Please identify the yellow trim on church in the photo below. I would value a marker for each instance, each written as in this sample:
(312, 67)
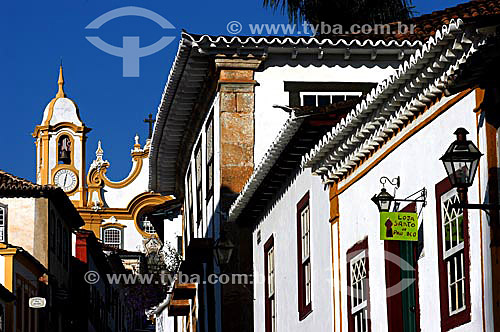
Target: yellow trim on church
(47, 134)
(141, 203)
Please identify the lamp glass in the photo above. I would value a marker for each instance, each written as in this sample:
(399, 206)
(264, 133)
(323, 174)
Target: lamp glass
(223, 250)
(383, 200)
(461, 160)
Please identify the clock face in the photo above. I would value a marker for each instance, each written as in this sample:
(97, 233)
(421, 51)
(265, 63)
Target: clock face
(66, 179)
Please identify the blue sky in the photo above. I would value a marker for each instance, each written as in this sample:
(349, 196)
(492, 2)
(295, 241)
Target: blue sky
(36, 34)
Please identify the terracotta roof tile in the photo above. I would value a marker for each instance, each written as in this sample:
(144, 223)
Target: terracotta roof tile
(426, 25)
(13, 186)
(22, 187)
(474, 8)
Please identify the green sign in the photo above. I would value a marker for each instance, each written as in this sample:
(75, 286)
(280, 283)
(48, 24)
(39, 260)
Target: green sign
(399, 226)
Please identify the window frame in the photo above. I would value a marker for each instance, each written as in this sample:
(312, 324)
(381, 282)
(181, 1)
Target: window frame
(25, 316)
(198, 166)
(110, 228)
(451, 320)
(5, 221)
(189, 194)
(270, 301)
(294, 88)
(316, 94)
(304, 308)
(72, 146)
(210, 156)
(360, 248)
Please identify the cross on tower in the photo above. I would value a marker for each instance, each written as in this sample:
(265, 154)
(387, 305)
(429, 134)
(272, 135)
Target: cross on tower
(150, 121)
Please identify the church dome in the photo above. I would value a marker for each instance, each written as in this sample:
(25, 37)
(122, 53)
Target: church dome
(61, 109)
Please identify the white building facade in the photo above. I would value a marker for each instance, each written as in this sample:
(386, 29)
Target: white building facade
(215, 123)
(317, 248)
(449, 269)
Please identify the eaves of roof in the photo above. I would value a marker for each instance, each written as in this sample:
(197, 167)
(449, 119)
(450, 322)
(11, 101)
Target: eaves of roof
(271, 156)
(301, 130)
(399, 98)
(173, 131)
(14, 187)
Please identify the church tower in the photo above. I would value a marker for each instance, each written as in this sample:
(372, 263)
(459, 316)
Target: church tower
(60, 146)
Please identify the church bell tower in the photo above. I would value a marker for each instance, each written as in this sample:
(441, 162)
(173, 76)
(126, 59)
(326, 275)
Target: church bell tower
(60, 146)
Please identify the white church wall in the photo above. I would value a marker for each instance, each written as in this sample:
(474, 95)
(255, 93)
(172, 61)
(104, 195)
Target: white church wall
(270, 91)
(171, 230)
(132, 240)
(121, 197)
(64, 110)
(417, 162)
(281, 223)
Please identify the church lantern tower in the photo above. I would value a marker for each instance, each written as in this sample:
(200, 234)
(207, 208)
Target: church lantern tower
(60, 146)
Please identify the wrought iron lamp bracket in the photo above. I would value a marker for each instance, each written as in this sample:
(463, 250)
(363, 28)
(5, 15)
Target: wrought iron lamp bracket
(417, 197)
(395, 182)
(485, 207)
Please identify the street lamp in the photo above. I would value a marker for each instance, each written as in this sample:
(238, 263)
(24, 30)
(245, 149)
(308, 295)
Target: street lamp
(383, 200)
(223, 249)
(461, 161)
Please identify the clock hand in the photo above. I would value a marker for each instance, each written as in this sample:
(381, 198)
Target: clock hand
(65, 177)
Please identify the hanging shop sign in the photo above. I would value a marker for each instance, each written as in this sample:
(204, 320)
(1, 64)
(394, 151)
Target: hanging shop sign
(399, 226)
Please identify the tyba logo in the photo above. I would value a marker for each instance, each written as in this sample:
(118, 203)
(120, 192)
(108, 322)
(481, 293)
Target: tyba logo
(130, 51)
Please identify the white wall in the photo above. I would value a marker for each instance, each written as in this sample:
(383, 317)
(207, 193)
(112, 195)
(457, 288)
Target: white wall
(417, 163)
(270, 91)
(121, 197)
(20, 222)
(282, 224)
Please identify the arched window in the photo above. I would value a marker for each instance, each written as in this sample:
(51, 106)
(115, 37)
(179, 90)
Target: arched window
(64, 150)
(112, 236)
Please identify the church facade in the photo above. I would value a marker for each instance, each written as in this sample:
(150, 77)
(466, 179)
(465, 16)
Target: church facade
(117, 212)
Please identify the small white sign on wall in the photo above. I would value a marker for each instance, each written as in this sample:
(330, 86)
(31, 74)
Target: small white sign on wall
(37, 302)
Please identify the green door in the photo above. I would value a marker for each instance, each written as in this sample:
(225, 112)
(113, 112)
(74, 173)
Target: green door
(409, 293)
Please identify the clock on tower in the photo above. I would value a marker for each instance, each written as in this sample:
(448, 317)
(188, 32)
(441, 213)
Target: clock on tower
(60, 146)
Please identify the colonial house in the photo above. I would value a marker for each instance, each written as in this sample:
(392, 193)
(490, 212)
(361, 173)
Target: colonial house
(216, 120)
(291, 270)
(37, 222)
(24, 271)
(324, 254)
